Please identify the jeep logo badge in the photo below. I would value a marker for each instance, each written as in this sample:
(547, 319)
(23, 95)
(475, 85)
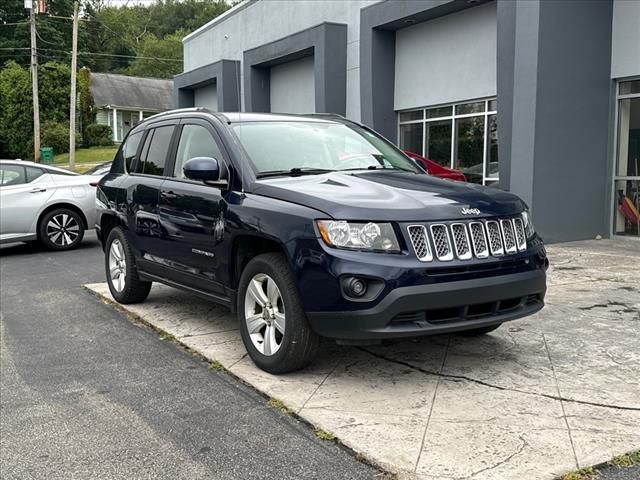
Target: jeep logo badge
(470, 211)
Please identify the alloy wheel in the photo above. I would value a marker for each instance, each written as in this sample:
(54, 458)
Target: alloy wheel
(264, 314)
(63, 229)
(117, 265)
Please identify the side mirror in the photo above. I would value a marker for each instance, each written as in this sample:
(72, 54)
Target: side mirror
(205, 169)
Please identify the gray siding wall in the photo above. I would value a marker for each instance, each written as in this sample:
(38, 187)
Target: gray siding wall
(206, 96)
(447, 59)
(262, 22)
(625, 48)
(293, 87)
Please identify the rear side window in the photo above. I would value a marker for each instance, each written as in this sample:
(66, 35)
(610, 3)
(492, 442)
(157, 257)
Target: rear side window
(130, 149)
(155, 151)
(33, 173)
(12, 175)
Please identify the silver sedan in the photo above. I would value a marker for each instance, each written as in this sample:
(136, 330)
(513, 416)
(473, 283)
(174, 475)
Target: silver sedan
(45, 203)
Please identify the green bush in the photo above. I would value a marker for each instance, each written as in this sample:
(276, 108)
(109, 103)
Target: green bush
(56, 135)
(96, 135)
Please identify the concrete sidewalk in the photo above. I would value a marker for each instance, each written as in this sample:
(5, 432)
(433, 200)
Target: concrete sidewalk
(538, 397)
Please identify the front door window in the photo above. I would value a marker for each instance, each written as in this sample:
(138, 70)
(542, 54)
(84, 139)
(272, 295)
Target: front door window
(627, 172)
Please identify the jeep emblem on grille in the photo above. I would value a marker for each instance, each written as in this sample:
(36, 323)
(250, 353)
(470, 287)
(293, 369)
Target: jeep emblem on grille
(470, 211)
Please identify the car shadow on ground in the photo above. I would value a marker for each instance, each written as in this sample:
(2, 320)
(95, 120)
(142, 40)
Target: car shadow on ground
(34, 247)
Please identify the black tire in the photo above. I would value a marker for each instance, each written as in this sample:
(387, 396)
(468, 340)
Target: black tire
(133, 290)
(60, 229)
(299, 343)
(476, 332)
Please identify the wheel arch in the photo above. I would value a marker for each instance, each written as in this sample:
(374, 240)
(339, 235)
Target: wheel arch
(68, 206)
(247, 246)
(108, 221)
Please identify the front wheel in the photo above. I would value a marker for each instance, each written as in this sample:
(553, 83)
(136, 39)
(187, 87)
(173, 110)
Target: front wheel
(121, 270)
(273, 323)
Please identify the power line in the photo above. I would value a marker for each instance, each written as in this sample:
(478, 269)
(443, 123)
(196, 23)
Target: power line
(45, 41)
(97, 54)
(12, 24)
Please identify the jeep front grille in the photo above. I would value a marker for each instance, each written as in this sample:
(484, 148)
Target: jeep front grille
(480, 248)
(461, 241)
(420, 243)
(467, 240)
(521, 238)
(441, 242)
(508, 236)
(495, 238)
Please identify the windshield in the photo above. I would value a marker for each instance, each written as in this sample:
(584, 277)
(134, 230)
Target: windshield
(316, 147)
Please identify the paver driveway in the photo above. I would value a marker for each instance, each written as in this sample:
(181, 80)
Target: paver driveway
(538, 397)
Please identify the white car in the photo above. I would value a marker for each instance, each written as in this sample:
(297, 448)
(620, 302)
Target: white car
(45, 203)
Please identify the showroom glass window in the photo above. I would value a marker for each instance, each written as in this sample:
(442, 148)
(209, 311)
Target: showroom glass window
(463, 136)
(626, 188)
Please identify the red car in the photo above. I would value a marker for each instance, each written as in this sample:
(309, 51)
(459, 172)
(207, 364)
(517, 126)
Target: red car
(436, 169)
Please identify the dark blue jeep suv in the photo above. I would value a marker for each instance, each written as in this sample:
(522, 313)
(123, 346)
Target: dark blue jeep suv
(308, 227)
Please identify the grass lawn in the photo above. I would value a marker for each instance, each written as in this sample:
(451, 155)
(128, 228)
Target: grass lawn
(89, 155)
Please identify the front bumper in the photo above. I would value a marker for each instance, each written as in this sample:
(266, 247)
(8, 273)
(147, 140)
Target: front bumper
(438, 308)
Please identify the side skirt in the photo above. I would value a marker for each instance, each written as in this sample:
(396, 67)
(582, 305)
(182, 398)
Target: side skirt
(228, 302)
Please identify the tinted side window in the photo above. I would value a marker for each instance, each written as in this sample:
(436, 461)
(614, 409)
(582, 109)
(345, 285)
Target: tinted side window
(11, 175)
(157, 149)
(33, 173)
(195, 141)
(130, 148)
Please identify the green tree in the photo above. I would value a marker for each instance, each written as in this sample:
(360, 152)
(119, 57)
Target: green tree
(110, 35)
(16, 105)
(151, 50)
(15, 112)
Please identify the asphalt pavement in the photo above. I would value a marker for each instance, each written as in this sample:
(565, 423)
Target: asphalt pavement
(85, 393)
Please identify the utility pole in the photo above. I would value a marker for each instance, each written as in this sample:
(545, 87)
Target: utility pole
(34, 83)
(72, 99)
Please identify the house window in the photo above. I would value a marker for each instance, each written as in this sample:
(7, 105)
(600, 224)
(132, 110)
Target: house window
(463, 136)
(626, 181)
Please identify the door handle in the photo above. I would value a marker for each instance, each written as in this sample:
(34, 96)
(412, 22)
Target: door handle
(37, 190)
(168, 194)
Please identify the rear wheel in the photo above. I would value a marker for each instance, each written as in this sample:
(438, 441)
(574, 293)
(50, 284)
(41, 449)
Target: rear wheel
(476, 332)
(60, 229)
(121, 270)
(273, 323)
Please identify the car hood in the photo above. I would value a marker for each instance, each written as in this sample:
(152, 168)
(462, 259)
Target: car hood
(396, 196)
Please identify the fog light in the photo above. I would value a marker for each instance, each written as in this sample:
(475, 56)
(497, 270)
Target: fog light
(356, 287)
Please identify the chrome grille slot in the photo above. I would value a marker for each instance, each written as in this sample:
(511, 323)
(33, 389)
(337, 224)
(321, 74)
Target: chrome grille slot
(495, 238)
(420, 242)
(461, 241)
(479, 240)
(508, 236)
(521, 238)
(441, 242)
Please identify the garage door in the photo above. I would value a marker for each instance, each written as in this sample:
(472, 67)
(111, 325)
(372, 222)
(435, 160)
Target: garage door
(448, 59)
(206, 97)
(293, 87)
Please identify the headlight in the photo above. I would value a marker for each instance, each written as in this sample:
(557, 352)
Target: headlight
(359, 236)
(528, 224)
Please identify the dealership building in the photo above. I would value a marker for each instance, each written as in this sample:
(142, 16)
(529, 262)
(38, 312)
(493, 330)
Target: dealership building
(539, 97)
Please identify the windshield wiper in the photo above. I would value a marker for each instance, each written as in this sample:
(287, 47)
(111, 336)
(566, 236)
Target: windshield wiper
(293, 172)
(375, 167)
